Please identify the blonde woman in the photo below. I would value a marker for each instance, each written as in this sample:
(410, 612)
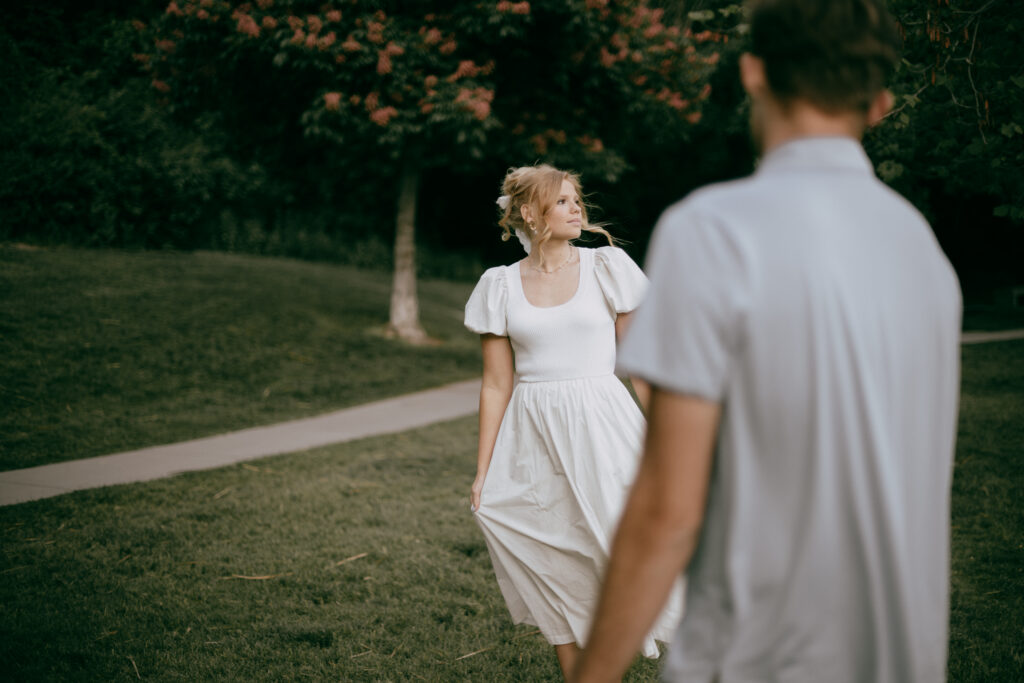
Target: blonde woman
(557, 450)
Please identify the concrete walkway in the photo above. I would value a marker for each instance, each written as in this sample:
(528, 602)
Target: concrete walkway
(371, 419)
(381, 417)
(981, 337)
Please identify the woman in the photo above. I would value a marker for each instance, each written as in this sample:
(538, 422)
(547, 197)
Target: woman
(558, 450)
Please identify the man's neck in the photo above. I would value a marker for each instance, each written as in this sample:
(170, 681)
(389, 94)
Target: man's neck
(802, 120)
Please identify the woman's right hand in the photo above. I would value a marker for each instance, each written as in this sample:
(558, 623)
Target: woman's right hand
(474, 494)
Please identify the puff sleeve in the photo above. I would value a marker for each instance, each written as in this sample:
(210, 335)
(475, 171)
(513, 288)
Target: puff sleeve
(620, 279)
(487, 305)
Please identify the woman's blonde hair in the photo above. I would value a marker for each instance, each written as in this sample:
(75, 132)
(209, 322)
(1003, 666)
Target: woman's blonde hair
(539, 188)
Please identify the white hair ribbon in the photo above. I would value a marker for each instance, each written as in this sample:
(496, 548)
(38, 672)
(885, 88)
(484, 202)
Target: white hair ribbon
(524, 239)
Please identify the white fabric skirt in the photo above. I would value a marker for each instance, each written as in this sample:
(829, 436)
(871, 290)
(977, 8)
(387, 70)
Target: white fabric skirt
(565, 457)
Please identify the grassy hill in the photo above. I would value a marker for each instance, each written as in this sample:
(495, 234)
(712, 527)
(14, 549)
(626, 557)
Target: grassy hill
(104, 350)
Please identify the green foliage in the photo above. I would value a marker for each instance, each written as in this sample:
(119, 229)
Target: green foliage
(441, 84)
(91, 160)
(956, 129)
(103, 351)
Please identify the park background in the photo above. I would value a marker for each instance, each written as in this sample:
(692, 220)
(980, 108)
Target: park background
(206, 209)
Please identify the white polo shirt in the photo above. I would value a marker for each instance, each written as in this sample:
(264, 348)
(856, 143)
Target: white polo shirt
(816, 306)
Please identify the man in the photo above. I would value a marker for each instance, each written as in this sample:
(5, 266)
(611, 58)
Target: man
(801, 336)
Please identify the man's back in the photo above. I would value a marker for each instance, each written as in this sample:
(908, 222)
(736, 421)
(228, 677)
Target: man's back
(825, 550)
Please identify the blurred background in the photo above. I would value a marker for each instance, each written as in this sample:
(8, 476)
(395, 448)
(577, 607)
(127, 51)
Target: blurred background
(281, 128)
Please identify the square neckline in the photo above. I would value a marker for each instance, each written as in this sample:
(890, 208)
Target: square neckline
(580, 281)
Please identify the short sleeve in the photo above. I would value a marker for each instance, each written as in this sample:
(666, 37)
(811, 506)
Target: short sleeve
(621, 280)
(686, 333)
(487, 305)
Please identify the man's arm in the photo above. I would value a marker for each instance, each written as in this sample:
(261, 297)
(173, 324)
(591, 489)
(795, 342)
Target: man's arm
(657, 534)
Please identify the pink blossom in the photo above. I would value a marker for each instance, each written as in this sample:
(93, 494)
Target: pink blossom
(639, 79)
(206, 3)
(351, 45)
(248, 26)
(504, 6)
(173, 9)
(379, 15)
(394, 49)
(355, 100)
(448, 47)
(426, 107)
(295, 22)
(430, 81)
(382, 116)
(269, 23)
(332, 101)
(161, 86)
(141, 57)
(713, 59)
(165, 45)
(706, 90)
(383, 63)
(202, 14)
(432, 36)
(466, 69)
(299, 37)
(618, 42)
(597, 4)
(540, 143)
(372, 101)
(693, 117)
(334, 15)
(339, 58)
(607, 58)
(375, 32)
(138, 25)
(314, 23)
(265, 4)
(521, 8)
(326, 41)
(311, 40)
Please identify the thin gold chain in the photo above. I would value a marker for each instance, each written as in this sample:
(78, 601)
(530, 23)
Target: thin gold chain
(572, 252)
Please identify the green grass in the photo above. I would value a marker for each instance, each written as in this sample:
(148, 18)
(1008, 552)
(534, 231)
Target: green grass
(103, 351)
(99, 582)
(987, 615)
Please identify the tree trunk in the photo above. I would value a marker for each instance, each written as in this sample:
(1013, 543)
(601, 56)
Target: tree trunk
(405, 309)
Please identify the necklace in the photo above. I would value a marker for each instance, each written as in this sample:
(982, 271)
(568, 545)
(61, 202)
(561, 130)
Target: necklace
(572, 252)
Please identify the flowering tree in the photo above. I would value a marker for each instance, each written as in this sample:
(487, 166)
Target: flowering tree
(422, 84)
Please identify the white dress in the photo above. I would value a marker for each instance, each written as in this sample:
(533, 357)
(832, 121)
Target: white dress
(567, 449)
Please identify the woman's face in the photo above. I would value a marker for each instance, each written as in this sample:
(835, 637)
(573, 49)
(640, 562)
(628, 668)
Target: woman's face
(565, 218)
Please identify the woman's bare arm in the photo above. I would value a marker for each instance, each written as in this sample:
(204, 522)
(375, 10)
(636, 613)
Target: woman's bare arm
(495, 392)
(641, 388)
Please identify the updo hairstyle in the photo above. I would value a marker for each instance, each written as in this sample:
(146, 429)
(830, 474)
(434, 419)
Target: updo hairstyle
(539, 188)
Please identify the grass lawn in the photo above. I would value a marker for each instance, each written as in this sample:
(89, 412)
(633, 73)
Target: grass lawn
(362, 559)
(987, 619)
(104, 351)
(355, 562)
(360, 562)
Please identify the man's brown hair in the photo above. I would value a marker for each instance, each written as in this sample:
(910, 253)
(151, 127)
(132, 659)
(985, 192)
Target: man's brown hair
(835, 54)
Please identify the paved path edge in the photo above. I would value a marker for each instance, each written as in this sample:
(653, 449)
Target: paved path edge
(387, 416)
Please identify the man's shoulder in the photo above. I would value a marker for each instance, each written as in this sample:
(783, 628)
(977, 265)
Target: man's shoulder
(708, 205)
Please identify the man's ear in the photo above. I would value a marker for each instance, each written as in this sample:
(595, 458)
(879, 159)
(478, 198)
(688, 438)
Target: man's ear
(880, 107)
(752, 75)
